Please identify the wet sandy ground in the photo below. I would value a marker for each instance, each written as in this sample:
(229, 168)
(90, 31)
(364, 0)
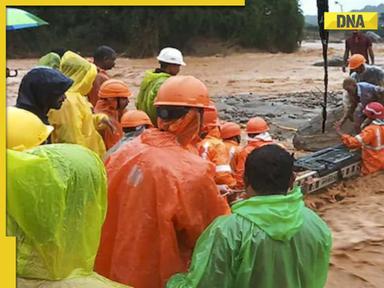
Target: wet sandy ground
(354, 209)
(257, 73)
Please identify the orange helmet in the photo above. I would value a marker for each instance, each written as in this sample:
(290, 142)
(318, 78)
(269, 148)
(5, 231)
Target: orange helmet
(211, 118)
(134, 118)
(356, 61)
(257, 125)
(229, 130)
(374, 110)
(185, 91)
(114, 89)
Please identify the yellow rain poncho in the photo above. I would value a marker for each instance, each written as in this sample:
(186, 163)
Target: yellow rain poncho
(56, 206)
(74, 122)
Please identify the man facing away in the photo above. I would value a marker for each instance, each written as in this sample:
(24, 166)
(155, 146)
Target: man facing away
(271, 239)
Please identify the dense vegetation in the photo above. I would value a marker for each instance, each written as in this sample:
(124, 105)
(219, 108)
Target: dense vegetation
(141, 31)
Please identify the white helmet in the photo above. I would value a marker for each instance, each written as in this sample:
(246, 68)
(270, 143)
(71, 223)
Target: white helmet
(171, 55)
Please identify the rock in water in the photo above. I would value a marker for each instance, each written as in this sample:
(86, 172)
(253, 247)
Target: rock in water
(375, 38)
(310, 138)
(333, 62)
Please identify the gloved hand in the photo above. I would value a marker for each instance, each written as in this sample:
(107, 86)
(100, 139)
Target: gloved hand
(224, 190)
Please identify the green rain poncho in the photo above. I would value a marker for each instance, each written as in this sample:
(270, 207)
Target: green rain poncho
(50, 60)
(268, 242)
(56, 205)
(148, 92)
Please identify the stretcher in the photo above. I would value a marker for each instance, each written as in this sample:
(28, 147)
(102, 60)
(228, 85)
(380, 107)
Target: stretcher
(325, 167)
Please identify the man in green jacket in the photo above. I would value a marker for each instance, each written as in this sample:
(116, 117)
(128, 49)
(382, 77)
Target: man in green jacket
(170, 60)
(270, 241)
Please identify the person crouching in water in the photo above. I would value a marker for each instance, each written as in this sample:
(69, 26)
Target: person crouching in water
(133, 122)
(113, 98)
(358, 95)
(370, 140)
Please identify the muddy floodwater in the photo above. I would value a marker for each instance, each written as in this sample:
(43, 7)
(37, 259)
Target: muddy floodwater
(285, 89)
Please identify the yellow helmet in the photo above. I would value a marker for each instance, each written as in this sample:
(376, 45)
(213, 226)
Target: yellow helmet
(25, 130)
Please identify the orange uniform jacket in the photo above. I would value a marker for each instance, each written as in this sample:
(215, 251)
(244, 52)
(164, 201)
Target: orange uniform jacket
(161, 198)
(371, 142)
(241, 156)
(101, 77)
(212, 148)
(232, 148)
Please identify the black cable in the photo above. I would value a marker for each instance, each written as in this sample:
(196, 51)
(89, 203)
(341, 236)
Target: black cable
(322, 7)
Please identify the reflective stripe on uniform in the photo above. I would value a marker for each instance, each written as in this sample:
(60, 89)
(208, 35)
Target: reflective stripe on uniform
(204, 155)
(378, 141)
(223, 168)
(232, 153)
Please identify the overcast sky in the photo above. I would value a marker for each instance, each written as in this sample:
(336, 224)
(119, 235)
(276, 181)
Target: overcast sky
(309, 6)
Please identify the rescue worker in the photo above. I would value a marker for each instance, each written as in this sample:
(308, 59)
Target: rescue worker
(42, 89)
(161, 196)
(170, 60)
(258, 136)
(104, 58)
(74, 122)
(213, 149)
(113, 99)
(270, 240)
(370, 140)
(357, 97)
(25, 130)
(133, 122)
(231, 135)
(362, 72)
(56, 204)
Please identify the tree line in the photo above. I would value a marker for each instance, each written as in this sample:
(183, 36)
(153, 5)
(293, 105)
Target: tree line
(141, 31)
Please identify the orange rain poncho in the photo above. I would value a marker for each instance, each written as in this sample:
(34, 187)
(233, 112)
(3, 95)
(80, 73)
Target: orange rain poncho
(161, 198)
(74, 122)
(110, 95)
(240, 157)
(371, 142)
(212, 148)
(108, 107)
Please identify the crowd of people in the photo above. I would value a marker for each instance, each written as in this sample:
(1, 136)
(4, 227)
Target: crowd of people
(165, 195)
(363, 105)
